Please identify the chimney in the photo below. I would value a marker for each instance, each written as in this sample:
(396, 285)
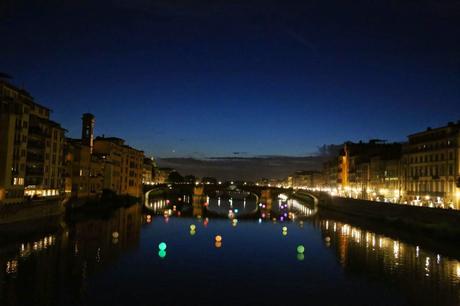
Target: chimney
(87, 131)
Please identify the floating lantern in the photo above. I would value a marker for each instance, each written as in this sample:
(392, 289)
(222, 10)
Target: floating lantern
(327, 239)
(284, 233)
(236, 210)
(162, 253)
(192, 227)
(300, 249)
(115, 235)
(284, 228)
(192, 232)
(260, 220)
(218, 238)
(162, 246)
(218, 244)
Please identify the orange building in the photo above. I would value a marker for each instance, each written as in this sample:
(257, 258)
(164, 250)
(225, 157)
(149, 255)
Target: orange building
(122, 165)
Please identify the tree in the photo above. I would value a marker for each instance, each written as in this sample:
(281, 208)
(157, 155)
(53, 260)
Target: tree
(175, 177)
(190, 179)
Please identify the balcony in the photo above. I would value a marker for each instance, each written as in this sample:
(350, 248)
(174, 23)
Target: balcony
(35, 130)
(37, 145)
(34, 171)
(36, 158)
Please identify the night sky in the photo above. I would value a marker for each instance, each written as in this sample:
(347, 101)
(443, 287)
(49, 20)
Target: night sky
(212, 78)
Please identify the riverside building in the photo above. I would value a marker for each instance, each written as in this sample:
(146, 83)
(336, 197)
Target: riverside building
(31, 147)
(432, 168)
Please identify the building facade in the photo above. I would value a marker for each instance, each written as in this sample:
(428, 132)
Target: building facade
(366, 171)
(122, 166)
(148, 171)
(431, 167)
(93, 165)
(31, 148)
(304, 179)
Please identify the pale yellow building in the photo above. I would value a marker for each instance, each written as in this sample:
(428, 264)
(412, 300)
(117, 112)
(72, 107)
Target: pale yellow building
(31, 147)
(432, 167)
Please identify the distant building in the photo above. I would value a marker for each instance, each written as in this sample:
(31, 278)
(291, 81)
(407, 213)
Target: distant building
(148, 171)
(94, 164)
(123, 165)
(162, 174)
(331, 173)
(369, 170)
(432, 167)
(31, 147)
(302, 179)
(84, 175)
(383, 180)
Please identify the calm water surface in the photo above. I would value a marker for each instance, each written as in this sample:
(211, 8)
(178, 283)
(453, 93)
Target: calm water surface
(115, 260)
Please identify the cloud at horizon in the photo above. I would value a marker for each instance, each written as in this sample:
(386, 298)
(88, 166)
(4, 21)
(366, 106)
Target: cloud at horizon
(243, 168)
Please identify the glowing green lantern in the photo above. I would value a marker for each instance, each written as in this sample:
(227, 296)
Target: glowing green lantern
(300, 249)
(162, 253)
(162, 246)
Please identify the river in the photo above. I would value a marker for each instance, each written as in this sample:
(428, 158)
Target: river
(114, 259)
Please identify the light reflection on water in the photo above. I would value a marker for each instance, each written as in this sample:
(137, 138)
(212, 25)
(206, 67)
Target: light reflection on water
(342, 263)
(240, 206)
(408, 265)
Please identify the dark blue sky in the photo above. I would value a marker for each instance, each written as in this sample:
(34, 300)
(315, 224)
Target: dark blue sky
(209, 78)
